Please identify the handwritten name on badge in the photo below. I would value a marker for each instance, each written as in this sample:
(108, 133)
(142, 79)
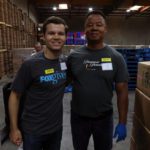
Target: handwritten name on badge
(63, 66)
(106, 66)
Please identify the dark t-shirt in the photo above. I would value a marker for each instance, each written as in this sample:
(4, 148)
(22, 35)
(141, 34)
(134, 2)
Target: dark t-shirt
(43, 81)
(94, 72)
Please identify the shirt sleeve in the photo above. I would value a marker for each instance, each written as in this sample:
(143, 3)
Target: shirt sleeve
(122, 71)
(69, 72)
(23, 78)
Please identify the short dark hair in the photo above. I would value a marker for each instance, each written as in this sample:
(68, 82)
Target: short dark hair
(94, 12)
(55, 20)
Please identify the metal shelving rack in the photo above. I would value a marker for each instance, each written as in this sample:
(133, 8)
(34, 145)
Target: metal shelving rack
(132, 56)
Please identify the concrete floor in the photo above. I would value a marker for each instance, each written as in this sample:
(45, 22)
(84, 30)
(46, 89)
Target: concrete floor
(66, 139)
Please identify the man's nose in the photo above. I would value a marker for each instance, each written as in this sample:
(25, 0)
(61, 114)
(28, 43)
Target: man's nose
(94, 26)
(56, 36)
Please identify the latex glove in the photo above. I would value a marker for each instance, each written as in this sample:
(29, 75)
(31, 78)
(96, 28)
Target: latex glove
(68, 88)
(120, 132)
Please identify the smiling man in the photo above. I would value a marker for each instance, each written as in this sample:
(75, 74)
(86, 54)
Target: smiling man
(42, 78)
(94, 69)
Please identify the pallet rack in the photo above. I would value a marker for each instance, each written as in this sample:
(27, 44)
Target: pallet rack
(132, 56)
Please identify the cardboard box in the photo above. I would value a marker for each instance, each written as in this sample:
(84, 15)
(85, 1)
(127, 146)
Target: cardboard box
(143, 77)
(19, 55)
(141, 135)
(142, 108)
(132, 144)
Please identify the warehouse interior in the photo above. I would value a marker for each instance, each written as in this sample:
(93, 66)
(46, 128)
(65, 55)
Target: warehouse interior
(128, 32)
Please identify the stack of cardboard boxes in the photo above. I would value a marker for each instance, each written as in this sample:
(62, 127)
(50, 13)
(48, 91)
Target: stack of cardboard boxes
(140, 139)
(19, 56)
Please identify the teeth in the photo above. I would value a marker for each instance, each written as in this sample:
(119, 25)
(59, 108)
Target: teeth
(56, 43)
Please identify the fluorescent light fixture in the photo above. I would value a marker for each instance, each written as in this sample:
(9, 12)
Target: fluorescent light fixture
(134, 8)
(128, 10)
(144, 8)
(63, 6)
(54, 8)
(90, 9)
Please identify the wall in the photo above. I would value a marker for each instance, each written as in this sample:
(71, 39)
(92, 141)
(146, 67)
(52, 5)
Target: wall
(131, 31)
(28, 9)
(121, 31)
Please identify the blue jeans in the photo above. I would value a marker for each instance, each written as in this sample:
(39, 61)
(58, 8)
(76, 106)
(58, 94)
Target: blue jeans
(44, 142)
(101, 128)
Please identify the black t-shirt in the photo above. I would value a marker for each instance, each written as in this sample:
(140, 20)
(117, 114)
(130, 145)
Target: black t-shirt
(43, 81)
(94, 72)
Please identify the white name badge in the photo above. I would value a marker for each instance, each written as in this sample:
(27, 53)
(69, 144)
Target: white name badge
(106, 66)
(63, 66)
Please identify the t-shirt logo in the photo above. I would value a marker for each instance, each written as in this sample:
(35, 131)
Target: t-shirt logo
(52, 76)
(91, 64)
(104, 63)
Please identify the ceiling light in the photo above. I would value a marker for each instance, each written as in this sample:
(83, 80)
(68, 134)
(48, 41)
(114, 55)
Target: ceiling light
(90, 9)
(54, 8)
(128, 10)
(63, 6)
(133, 8)
(39, 29)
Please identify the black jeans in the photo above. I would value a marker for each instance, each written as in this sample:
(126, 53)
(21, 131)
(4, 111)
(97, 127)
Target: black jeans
(43, 142)
(101, 128)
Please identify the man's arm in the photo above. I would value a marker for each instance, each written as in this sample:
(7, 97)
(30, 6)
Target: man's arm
(15, 134)
(122, 101)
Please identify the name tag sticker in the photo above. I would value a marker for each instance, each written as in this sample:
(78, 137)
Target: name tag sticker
(106, 66)
(49, 71)
(105, 59)
(63, 66)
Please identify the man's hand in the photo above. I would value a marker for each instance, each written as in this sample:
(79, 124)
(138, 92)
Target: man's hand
(120, 132)
(15, 137)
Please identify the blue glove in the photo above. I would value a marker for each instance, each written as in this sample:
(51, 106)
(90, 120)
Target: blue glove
(68, 88)
(120, 132)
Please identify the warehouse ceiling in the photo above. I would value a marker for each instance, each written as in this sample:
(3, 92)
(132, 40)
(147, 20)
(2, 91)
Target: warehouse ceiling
(80, 8)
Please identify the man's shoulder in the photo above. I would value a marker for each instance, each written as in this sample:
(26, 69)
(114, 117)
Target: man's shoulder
(114, 51)
(34, 58)
(63, 58)
(77, 51)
